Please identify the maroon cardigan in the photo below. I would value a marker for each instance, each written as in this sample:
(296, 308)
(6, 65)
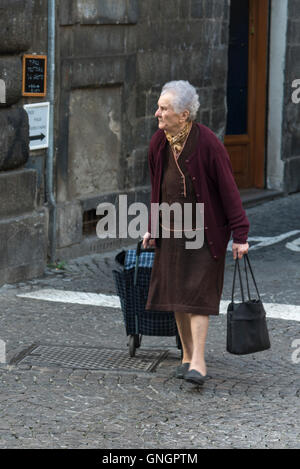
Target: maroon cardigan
(211, 172)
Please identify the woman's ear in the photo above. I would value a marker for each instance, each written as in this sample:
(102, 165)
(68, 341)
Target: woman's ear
(185, 115)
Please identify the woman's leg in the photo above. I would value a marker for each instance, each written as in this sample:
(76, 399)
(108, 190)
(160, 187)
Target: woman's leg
(183, 321)
(199, 328)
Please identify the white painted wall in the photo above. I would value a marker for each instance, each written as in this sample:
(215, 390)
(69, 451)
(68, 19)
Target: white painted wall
(275, 165)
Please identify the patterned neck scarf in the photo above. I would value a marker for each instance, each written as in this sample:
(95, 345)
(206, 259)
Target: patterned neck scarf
(177, 142)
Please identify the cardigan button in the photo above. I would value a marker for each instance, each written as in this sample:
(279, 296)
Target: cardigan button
(187, 161)
(211, 243)
(206, 227)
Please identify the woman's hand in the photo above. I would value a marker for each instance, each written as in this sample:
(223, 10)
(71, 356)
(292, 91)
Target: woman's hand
(147, 241)
(239, 250)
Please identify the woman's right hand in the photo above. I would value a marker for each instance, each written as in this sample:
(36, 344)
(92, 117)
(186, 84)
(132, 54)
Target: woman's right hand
(147, 241)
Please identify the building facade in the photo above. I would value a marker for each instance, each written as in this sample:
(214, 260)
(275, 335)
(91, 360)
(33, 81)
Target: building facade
(107, 62)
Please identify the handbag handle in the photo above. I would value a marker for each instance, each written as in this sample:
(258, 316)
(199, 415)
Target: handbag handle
(237, 265)
(253, 278)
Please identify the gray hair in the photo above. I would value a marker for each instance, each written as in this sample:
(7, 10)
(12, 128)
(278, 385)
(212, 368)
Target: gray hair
(185, 97)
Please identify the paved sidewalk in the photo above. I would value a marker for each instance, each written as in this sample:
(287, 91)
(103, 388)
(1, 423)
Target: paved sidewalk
(248, 402)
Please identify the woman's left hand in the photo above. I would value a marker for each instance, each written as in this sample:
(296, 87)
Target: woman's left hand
(239, 250)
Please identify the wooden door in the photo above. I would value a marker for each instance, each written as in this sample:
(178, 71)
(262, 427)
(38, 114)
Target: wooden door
(247, 91)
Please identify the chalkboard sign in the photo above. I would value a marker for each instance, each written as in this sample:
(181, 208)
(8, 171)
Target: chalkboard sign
(34, 75)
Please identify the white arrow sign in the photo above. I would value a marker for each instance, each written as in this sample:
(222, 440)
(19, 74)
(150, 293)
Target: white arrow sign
(38, 115)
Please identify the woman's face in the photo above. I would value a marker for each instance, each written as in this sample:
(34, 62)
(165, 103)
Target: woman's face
(168, 119)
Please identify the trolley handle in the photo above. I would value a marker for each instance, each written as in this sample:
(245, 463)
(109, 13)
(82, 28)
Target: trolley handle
(139, 249)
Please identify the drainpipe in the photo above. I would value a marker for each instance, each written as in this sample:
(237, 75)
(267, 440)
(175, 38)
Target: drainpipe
(50, 154)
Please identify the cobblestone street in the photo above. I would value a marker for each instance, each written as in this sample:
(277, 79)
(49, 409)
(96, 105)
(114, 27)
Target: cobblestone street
(248, 402)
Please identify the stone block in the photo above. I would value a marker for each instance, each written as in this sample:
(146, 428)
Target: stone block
(15, 30)
(295, 147)
(184, 9)
(219, 66)
(36, 162)
(149, 35)
(293, 31)
(218, 121)
(17, 192)
(23, 247)
(137, 168)
(202, 8)
(97, 71)
(92, 202)
(293, 9)
(69, 222)
(67, 12)
(205, 117)
(152, 100)
(107, 11)
(293, 63)
(14, 138)
(291, 174)
(197, 9)
(154, 67)
(141, 102)
(219, 98)
(106, 40)
(150, 10)
(94, 140)
(224, 34)
(205, 96)
(220, 8)
(11, 74)
(170, 11)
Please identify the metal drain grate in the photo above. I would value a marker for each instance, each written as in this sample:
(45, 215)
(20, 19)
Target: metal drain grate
(89, 358)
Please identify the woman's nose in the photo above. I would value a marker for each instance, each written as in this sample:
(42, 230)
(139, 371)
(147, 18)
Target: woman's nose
(157, 114)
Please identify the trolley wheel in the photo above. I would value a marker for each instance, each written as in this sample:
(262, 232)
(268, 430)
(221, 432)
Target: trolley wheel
(135, 341)
(132, 345)
(138, 340)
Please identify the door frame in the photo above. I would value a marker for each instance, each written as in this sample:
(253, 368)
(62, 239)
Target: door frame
(257, 93)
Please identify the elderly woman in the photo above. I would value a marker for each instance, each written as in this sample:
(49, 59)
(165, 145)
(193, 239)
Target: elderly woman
(189, 164)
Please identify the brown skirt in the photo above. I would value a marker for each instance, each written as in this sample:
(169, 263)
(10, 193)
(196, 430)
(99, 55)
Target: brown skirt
(185, 280)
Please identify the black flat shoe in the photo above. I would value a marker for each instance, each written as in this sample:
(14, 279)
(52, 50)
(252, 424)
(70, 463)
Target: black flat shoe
(181, 370)
(195, 377)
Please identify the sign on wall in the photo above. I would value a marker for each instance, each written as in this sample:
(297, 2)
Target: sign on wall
(34, 75)
(38, 115)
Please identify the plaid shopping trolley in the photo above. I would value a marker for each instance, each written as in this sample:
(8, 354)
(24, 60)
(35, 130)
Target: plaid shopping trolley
(132, 279)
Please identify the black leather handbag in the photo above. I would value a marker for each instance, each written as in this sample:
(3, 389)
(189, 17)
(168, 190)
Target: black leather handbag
(247, 330)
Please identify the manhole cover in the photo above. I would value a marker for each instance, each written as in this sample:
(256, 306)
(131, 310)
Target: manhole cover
(89, 358)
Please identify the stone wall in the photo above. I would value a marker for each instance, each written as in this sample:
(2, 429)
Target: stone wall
(291, 112)
(113, 58)
(23, 237)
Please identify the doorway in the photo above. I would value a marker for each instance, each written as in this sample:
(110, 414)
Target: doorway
(247, 91)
